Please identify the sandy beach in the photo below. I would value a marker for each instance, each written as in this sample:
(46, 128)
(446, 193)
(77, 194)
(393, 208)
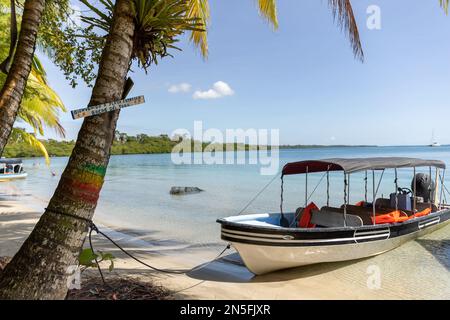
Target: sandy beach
(409, 272)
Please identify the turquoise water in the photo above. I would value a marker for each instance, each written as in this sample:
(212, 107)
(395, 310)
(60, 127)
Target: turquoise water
(136, 191)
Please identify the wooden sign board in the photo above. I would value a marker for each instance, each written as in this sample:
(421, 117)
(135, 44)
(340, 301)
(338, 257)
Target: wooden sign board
(107, 107)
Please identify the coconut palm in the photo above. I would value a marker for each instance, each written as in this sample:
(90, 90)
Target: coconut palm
(40, 106)
(140, 30)
(13, 89)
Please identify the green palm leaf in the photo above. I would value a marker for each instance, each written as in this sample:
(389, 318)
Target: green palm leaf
(33, 141)
(444, 4)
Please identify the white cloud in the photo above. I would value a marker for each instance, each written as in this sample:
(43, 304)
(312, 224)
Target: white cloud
(220, 89)
(182, 87)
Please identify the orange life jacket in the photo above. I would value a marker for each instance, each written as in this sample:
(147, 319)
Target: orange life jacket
(304, 221)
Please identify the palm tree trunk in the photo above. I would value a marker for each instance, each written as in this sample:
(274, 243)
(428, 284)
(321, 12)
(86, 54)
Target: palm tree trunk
(39, 269)
(12, 91)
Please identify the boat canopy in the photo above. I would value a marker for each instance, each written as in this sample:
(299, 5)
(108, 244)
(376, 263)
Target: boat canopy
(358, 164)
(10, 161)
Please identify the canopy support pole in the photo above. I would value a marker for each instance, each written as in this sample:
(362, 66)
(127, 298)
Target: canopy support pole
(442, 189)
(414, 191)
(306, 187)
(396, 190)
(436, 187)
(373, 196)
(345, 199)
(283, 221)
(348, 189)
(365, 188)
(328, 186)
(429, 192)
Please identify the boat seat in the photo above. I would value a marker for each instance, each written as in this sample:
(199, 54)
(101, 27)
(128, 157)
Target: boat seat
(332, 217)
(420, 206)
(366, 213)
(382, 203)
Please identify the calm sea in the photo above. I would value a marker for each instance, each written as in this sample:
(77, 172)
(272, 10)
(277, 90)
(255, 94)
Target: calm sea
(136, 196)
(136, 191)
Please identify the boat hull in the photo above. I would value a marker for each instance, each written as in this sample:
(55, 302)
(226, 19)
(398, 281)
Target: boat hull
(264, 250)
(13, 176)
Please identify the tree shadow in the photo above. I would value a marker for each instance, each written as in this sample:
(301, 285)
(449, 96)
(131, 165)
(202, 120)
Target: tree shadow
(231, 268)
(439, 249)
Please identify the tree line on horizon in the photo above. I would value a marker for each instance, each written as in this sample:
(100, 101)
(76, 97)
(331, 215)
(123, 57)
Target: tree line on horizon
(113, 37)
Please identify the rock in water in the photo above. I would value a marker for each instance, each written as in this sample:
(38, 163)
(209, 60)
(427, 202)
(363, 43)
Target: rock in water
(184, 190)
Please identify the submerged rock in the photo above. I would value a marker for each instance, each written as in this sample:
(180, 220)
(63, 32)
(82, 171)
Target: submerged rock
(184, 190)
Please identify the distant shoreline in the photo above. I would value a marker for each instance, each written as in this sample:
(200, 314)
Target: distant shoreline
(162, 144)
(124, 144)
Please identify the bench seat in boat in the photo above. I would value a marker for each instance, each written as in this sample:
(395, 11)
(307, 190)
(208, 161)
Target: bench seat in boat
(334, 218)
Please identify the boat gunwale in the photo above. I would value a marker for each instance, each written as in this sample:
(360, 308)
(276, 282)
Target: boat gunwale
(280, 230)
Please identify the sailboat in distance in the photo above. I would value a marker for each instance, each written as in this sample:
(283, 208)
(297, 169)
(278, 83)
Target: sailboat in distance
(434, 143)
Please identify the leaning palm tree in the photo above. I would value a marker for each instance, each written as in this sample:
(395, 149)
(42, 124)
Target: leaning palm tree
(13, 89)
(139, 30)
(40, 106)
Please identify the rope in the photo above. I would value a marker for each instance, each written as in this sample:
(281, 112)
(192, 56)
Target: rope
(258, 194)
(92, 249)
(93, 227)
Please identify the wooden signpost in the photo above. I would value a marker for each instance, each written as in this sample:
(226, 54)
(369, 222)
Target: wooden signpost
(107, 107)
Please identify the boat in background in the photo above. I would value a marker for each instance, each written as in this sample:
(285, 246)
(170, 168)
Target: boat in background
(272, 241)
(11, 169)
(434, 143)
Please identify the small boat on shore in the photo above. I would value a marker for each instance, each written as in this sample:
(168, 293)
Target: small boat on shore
(272, 241)
(11, 169)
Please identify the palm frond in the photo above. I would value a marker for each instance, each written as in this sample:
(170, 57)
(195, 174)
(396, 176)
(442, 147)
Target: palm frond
(32, 141)
(41, 105)
(268, 9)
(199, 10)
(343, 13)
(159, 23)
(444, 5)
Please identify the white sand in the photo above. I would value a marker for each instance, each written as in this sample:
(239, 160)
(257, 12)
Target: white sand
(417, 270)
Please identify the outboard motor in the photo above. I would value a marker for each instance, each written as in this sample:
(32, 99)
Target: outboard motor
(424, 186)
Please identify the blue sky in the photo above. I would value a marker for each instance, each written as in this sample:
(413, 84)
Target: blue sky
(301, 79)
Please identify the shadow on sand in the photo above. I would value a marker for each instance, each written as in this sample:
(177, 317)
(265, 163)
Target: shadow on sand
(440, 249)
(231, 269)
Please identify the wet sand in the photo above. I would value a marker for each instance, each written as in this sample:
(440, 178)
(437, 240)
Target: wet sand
(417, 270)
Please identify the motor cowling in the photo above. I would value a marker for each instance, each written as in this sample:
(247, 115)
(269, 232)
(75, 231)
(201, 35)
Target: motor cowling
(424, 186)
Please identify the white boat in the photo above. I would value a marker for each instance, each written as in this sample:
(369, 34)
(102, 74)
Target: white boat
(434, 143)
(11, 169)
(273, 241)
